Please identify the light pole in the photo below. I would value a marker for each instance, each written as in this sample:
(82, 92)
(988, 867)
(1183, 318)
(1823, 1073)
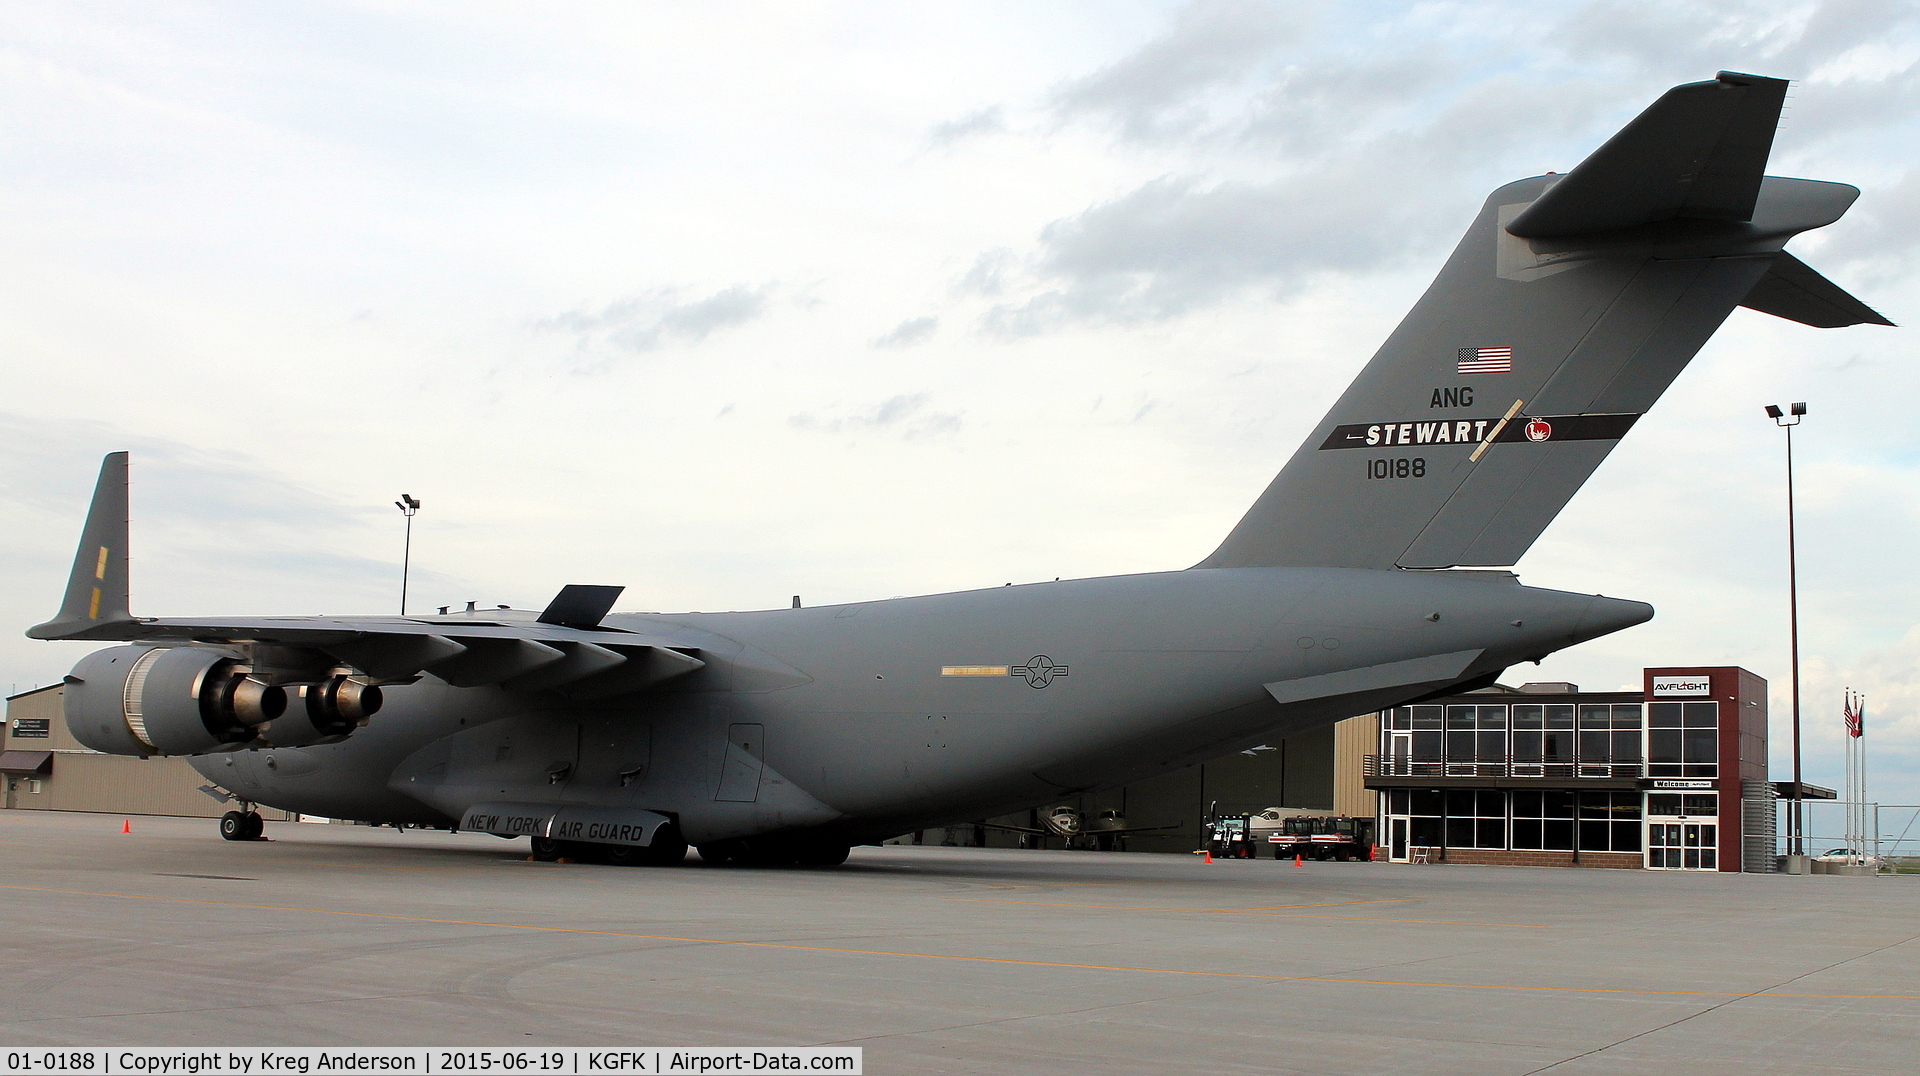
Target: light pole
(1796, 830)
(408, 506)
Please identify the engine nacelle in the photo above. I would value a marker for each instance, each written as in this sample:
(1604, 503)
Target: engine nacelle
(326, 712)
(182, 700)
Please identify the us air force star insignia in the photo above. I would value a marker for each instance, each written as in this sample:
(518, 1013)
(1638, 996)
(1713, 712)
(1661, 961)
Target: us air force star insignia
(1039, 671)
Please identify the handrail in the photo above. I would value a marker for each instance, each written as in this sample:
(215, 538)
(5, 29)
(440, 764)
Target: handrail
(1502, 766)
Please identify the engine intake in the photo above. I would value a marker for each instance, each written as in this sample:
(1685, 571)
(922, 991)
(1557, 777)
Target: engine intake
(185, 700)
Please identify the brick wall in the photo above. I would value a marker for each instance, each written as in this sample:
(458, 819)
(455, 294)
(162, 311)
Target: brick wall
(1491, 857)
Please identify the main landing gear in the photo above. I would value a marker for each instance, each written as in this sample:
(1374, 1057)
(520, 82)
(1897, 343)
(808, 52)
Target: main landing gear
(242, 826)
(776, 851)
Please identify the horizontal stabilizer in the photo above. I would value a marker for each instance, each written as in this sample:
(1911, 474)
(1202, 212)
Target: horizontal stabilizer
(1793, 290)
(1698, 152)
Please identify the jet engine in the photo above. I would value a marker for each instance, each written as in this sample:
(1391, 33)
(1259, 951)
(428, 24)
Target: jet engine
(183, 700)
(326, 712)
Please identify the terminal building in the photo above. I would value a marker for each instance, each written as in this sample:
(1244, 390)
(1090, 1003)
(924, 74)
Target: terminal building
(1670, 777)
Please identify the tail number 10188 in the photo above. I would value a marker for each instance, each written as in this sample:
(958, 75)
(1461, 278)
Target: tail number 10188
(1400, 467)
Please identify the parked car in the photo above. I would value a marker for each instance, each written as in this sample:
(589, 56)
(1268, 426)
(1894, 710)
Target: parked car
(1848, 855)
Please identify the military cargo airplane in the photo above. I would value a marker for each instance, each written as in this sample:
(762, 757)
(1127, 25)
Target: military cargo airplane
(1369, 574)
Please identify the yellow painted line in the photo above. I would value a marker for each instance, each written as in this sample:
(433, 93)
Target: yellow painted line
(1207, 911)
(1253, 976)
(1276, 910)
(1434, 922)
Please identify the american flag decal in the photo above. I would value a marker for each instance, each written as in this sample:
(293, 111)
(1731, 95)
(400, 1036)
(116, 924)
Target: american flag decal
(1485, 360)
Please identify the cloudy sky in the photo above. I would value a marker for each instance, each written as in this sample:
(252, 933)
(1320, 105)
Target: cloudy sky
(727, 302)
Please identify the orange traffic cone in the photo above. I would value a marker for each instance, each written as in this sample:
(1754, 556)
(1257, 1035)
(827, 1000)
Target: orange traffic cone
(1209, 858)
(1296, 859)
(126, 825)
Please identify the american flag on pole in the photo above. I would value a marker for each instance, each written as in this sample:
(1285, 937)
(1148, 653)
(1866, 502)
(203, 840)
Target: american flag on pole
(1856, 712)
(1485, 360)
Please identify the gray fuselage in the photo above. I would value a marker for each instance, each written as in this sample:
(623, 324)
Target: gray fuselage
(871, 719)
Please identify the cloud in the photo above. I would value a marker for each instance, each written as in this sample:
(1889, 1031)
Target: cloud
(908, 333)
(1154, 92)
(657, 318)
(905, 415)
(1178, 243)
(52, 465)
(990, 120)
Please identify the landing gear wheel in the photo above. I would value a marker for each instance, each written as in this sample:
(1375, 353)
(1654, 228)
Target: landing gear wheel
(256, 826)
(233, 827)
(823, 855)
(668, 849)
(546, 849)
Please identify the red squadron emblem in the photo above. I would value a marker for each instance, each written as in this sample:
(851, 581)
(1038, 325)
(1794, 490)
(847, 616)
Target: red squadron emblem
(1539, 430)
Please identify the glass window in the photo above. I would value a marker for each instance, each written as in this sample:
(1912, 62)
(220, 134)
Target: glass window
(1560, 715)
(1701, 715)
(1493, 717)
(1540, 820)
(1460, 745)
(1400, 717)
(1426, 717)
(1492, 745)
(1460, 717)
(1427, 744)
(1529, 715)
(1700, 745)
(1596, 715)
(1663, 715)
(1609, 821)
(1396, 801)
(1460, 833)
(1626, 715)
(1473, 818)
(1626, 746)
(1663, 745)
(1596, 745)
(1677, 804)
(1527, 745)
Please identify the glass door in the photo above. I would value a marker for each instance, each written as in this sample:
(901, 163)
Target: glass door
(1692, 846)
(1400, 754)
(1397, 840)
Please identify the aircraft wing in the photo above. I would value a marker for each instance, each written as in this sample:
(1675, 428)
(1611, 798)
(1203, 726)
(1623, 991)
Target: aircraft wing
(566, 648)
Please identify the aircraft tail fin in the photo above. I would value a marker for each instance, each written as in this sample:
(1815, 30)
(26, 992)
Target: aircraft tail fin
(1567, 309)
(96, 595)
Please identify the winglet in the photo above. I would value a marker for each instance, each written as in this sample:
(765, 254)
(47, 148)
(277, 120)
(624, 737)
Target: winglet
(580, 606)
(97, 589)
